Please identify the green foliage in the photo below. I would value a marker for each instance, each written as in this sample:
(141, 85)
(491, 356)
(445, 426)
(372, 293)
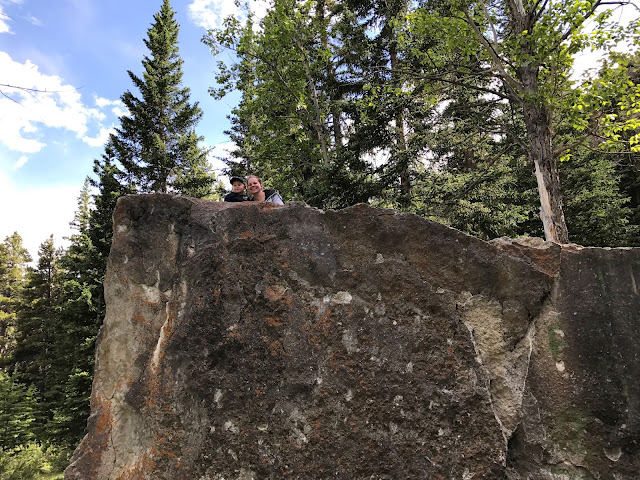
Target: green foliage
(17, 409)
(156, 143)
(597, 212)
(13, 263)
(440, 108)
(35, 362)
(484, 202)
(23, 464)
(32, 462)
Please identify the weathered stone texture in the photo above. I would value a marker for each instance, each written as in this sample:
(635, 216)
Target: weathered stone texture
(251, 341)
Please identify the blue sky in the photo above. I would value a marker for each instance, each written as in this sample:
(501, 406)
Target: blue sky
(79, 51)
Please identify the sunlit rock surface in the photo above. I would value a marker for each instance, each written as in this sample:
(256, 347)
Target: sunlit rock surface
(255, 342)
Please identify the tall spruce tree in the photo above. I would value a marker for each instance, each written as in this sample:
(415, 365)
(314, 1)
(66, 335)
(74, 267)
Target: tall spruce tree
(156, 143)
(17, 404)
(13, 266)
(34, 360)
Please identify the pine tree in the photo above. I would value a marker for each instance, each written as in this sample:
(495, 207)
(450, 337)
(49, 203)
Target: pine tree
(156, 143)
(17, 406)
(13, 263)
(34, 360)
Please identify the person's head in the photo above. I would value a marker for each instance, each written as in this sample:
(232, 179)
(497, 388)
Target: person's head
(237, 185)
(254, 184)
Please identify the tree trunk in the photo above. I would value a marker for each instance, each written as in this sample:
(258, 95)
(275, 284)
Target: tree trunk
(316, 119)
(537, 121)
(400, 134)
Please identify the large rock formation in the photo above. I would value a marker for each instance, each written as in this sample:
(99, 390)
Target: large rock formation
(251, 341)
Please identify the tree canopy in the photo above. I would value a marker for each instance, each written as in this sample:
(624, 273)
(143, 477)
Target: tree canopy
(156, 143)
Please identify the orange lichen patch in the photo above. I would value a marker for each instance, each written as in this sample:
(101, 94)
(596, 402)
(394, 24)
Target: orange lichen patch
(273, 322)
(274, 292)
(276, 347)
(245, 235)
(144, 301)
(155, 452)
(123, 282)
(216, 292)
(138, 317)
(105, 419)
(141, 468)
(324, 325)
(285, 265)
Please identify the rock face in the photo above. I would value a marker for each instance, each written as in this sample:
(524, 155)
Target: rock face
(255, 342)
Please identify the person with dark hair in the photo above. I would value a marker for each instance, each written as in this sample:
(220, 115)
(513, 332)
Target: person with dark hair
(237, 191)
(256, 189)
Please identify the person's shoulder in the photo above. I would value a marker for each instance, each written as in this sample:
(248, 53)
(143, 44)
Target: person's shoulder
(273, 196)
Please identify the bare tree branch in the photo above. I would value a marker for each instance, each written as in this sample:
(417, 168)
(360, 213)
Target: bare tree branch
(36, 90)
(510, 81)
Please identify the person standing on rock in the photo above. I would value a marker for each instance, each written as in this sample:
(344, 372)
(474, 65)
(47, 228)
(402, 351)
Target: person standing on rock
(237, 191)
(256, 189)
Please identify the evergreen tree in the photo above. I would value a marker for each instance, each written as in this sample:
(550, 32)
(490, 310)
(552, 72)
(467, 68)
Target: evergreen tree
(17, 406)
(13, 264)
(34, 360)
(156, 143)
(79, 318)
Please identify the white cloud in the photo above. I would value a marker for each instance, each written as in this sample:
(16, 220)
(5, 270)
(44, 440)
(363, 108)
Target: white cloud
(21, 161)
(39, 101)
(103, 102)
(37, 212)
(210, 13)
(220, 150)
(4, 19)
(100, 139)
(34, 21)
(119, 111)
(118, 107)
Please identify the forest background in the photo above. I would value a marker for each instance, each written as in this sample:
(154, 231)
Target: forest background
(464, 113)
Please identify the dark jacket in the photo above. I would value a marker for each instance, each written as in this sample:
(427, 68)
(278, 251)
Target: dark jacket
(235, 197)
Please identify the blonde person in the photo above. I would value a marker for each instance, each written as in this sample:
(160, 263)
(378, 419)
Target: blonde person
(254, 185)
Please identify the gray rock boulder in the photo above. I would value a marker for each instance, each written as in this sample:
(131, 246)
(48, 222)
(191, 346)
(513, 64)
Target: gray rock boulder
(254, 341)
